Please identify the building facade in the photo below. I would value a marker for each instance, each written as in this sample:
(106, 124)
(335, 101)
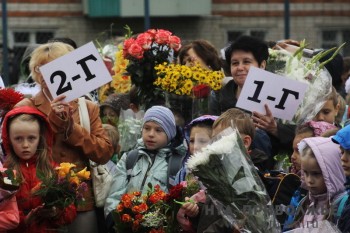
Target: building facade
(322, 23)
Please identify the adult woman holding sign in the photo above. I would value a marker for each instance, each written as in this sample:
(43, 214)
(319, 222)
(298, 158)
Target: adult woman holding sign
(243, 53)
(73, 143)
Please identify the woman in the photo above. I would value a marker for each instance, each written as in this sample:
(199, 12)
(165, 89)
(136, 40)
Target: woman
(243, 53)
(73, 143)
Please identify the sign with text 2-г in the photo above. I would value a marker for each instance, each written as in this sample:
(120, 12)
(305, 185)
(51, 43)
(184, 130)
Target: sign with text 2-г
(76, 73)
(281, 94)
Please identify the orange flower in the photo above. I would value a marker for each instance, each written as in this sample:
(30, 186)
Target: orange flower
(126, 218)
(36, 187)
(83, 174)
(65, 167)
(137, 194)
(120, 207)
(161, 230)
(138, 216)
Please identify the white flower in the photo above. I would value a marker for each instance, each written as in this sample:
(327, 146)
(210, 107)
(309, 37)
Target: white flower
(223, 146)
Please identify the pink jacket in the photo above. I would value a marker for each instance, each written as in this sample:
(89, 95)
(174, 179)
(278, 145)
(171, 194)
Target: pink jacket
(9, 214)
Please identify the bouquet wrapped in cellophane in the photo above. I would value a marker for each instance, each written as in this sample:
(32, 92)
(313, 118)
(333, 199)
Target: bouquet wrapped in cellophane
(294, 63)
(236, 197)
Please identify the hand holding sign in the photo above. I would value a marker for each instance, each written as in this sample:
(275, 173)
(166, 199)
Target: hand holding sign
(76, 73)
(281, 95)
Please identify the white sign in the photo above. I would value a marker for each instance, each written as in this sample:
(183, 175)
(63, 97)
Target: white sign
(281, 94)
(76, 73)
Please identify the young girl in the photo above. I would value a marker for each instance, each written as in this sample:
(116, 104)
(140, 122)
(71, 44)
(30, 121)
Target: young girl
(330, 109)
(28, 138)
(197, 135)
(307, 130)
(324, 179)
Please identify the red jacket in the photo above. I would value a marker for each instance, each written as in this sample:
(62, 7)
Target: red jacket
(25, 200)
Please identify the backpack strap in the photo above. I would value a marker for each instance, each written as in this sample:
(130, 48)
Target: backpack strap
(341, 205)
(130, 162)
(174, 165)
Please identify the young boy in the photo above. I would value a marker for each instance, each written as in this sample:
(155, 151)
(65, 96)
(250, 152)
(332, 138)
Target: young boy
(343, 139)
(158, 130)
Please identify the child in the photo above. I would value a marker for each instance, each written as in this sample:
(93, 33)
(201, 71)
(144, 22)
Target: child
(111, 108)
(330, 109)
(343, 139)
(323, 177)
(8, 208)
(307, 130)
(28, 138)
(231, 118)
(197, 134)
(237, 118)
(151, 166)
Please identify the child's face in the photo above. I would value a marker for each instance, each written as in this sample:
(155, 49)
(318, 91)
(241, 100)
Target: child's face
(153, 136)
(328, 112)
(295, 158)
(24, 138)
(313, 175)
(345, 161)
(109, 112)
(199, 138)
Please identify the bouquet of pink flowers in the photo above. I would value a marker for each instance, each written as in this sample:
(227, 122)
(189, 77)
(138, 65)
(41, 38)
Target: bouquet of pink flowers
(144, 52)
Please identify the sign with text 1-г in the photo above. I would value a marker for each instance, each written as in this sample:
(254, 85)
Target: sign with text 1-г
(76, 73)
(282, 95)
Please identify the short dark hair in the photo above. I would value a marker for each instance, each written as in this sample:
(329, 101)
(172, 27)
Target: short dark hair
(256, 46)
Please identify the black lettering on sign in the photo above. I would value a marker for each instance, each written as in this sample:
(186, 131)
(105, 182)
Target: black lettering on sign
(257, 91)
(62, 88)
(82, 63)
(286, 92)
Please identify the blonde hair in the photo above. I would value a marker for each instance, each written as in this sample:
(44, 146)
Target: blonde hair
(46, 53)
(44, 160)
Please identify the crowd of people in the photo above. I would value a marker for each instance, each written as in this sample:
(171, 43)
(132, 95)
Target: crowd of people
(41, 132)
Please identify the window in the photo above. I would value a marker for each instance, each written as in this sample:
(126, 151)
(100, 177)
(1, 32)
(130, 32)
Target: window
(18, 43)
(334, 38)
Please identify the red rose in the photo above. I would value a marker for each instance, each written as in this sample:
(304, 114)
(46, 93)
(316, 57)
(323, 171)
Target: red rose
(152, 33)
(175, 43)
(162, 36)
(136, 51)
(201, 91)
(144, 40)
(127, 44)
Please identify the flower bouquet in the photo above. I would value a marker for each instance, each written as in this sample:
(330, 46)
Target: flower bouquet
(193, 81)
(293, 64)
(65, 187)
(236, 197)
(144, 52)
(149, 213)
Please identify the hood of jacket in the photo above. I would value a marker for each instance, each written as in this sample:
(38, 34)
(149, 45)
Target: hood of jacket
(26, 110)
(328, 156)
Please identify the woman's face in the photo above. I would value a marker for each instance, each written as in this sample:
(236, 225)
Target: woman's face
(192, 58)
(240, 64)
